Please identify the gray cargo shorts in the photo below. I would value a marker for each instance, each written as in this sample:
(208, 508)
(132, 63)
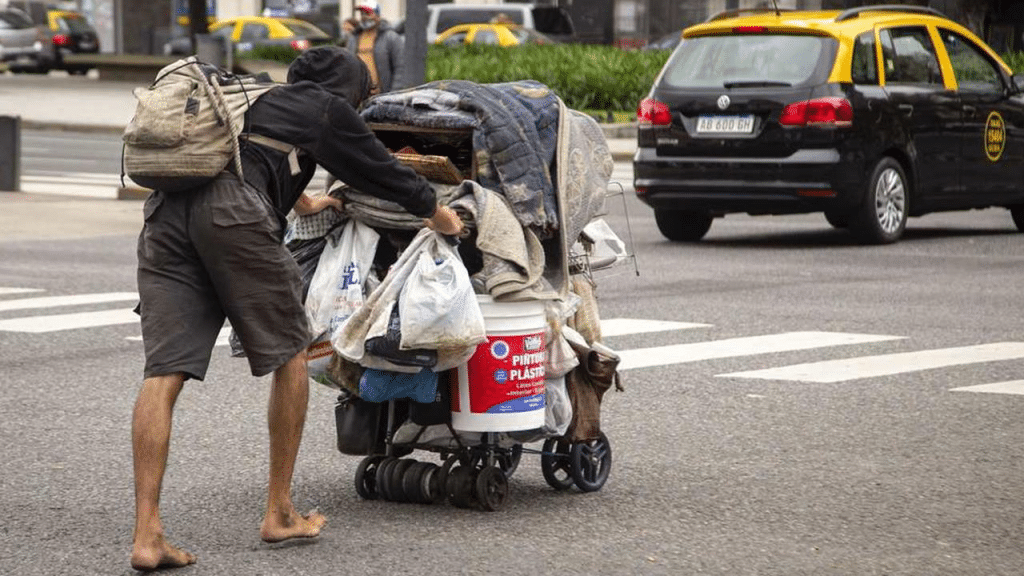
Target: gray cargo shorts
(210, 254)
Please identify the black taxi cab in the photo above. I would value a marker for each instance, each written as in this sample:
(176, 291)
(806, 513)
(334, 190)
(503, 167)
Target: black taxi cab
(869, 116)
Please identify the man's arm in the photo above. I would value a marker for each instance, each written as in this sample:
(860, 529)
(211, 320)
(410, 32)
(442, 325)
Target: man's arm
(307, 204)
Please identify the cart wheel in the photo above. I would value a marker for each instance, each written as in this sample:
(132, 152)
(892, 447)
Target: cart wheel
(491, 488)
(591, 463)
(509, 461)
(412, 483)
(366, 477)
(396, 480)
(443, 472)
(383, 477)
(554, 463)
(430, 484)
(460, 487)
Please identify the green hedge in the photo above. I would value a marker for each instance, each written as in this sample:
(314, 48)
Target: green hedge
(586, 77)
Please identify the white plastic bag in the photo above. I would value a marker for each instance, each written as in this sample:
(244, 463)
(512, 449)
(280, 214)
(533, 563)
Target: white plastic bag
(337, 287)
(437, 306)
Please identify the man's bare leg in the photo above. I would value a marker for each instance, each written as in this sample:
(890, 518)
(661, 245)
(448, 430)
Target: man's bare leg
(151, 437)
(286, 416)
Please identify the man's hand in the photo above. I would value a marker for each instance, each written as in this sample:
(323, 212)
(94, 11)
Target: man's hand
(444, 221)
(307, 204)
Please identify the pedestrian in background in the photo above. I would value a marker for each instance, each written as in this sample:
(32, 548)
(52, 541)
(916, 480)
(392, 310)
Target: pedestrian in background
(380, 47)
(348, 28)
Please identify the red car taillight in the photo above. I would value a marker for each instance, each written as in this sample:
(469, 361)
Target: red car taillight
(301, 45)
(818, 112)
(650, 112)
(61, 40)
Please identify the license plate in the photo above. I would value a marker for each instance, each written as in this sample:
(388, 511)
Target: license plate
(742, 124)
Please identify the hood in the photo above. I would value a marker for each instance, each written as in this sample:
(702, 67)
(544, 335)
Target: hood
(335, 69)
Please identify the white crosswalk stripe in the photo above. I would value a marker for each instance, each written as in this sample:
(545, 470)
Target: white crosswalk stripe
(785, 342)
(888, 364)
(52, 301)
(829, 371)
(1011, 387)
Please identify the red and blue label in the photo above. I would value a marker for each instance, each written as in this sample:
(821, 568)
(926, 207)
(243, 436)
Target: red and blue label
(506, 374)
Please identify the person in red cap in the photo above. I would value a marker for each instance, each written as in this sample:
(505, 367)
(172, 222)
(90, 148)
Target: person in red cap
(380, 47)
(216, 252)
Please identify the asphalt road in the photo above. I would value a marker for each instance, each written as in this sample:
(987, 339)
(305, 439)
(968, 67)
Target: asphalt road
(719, 468)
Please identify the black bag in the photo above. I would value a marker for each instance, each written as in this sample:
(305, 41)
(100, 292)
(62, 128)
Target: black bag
(360, 425)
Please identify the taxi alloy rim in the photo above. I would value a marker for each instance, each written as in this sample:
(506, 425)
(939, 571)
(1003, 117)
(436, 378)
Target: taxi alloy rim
(890, 200)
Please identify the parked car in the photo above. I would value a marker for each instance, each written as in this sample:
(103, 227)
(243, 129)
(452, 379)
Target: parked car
(71, 34)
(550, 20)
(494, 34)
(24, 47)
(869, 115)
(247, 32)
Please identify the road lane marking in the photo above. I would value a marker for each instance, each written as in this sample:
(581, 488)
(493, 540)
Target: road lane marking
(74, 300)
(887, 364)
(57, 322)
(623, 326)
(1009, 387)
(6, 291)
(747, 346)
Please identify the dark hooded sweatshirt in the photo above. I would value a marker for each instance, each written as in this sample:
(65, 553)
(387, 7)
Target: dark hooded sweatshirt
(316, 112)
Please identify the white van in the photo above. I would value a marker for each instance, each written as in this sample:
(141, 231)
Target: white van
(550, 20)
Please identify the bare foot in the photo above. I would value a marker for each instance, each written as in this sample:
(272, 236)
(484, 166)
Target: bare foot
(159, 554)
(277, 528)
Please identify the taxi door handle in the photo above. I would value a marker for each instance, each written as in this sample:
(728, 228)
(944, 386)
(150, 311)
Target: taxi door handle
(907, 109)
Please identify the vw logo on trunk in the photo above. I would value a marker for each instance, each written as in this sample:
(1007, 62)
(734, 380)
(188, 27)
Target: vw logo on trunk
(723, 102)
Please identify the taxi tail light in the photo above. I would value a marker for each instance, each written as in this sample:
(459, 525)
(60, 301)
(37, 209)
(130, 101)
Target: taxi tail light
(650, 112)
(61, 40)
(300, 45)
(818, 112)
(748, 29)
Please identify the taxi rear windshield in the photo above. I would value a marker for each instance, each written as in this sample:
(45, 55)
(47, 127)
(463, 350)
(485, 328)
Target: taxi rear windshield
(749, 60)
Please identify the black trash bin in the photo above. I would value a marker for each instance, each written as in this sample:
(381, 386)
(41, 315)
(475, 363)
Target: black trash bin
(10, 153)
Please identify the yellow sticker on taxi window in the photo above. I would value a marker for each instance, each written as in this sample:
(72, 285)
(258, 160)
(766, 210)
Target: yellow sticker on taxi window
(995, 136)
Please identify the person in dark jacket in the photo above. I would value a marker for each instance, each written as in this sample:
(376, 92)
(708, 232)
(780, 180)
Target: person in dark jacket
(380, 47)
(216, 252)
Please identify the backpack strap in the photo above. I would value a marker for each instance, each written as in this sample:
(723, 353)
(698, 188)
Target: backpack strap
(291, 151)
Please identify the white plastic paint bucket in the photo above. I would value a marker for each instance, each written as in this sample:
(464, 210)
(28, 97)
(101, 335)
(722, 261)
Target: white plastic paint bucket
(501, 388)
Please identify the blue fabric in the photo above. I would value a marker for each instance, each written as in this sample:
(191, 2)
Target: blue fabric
(381, 386)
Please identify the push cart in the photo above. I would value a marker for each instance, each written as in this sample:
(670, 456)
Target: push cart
(565, 151)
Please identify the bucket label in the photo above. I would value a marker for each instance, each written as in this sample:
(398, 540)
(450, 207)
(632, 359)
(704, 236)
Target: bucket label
(506, 375)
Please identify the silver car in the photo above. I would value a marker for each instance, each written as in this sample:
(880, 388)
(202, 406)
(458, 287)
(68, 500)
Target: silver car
(23, 46)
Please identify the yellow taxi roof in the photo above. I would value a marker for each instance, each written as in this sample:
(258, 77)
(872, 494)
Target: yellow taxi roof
(822, 22)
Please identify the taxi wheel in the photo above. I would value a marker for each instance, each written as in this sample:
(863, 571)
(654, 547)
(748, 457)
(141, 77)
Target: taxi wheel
(1017, 212)
(683, 225)
(882, 217)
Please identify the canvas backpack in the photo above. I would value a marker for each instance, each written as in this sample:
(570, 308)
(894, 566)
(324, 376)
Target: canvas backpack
(187, 126)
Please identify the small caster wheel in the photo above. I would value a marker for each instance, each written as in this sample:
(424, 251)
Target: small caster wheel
(412, 483)
(491, 488)
(384, 477)
(554, 463)
(508, 460)
(396, 481)
(430, 484)
(366, 477)
(460, 487)
(590, 463)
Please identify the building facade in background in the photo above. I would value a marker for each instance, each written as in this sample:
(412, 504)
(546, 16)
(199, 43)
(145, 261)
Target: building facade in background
(142, 26)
